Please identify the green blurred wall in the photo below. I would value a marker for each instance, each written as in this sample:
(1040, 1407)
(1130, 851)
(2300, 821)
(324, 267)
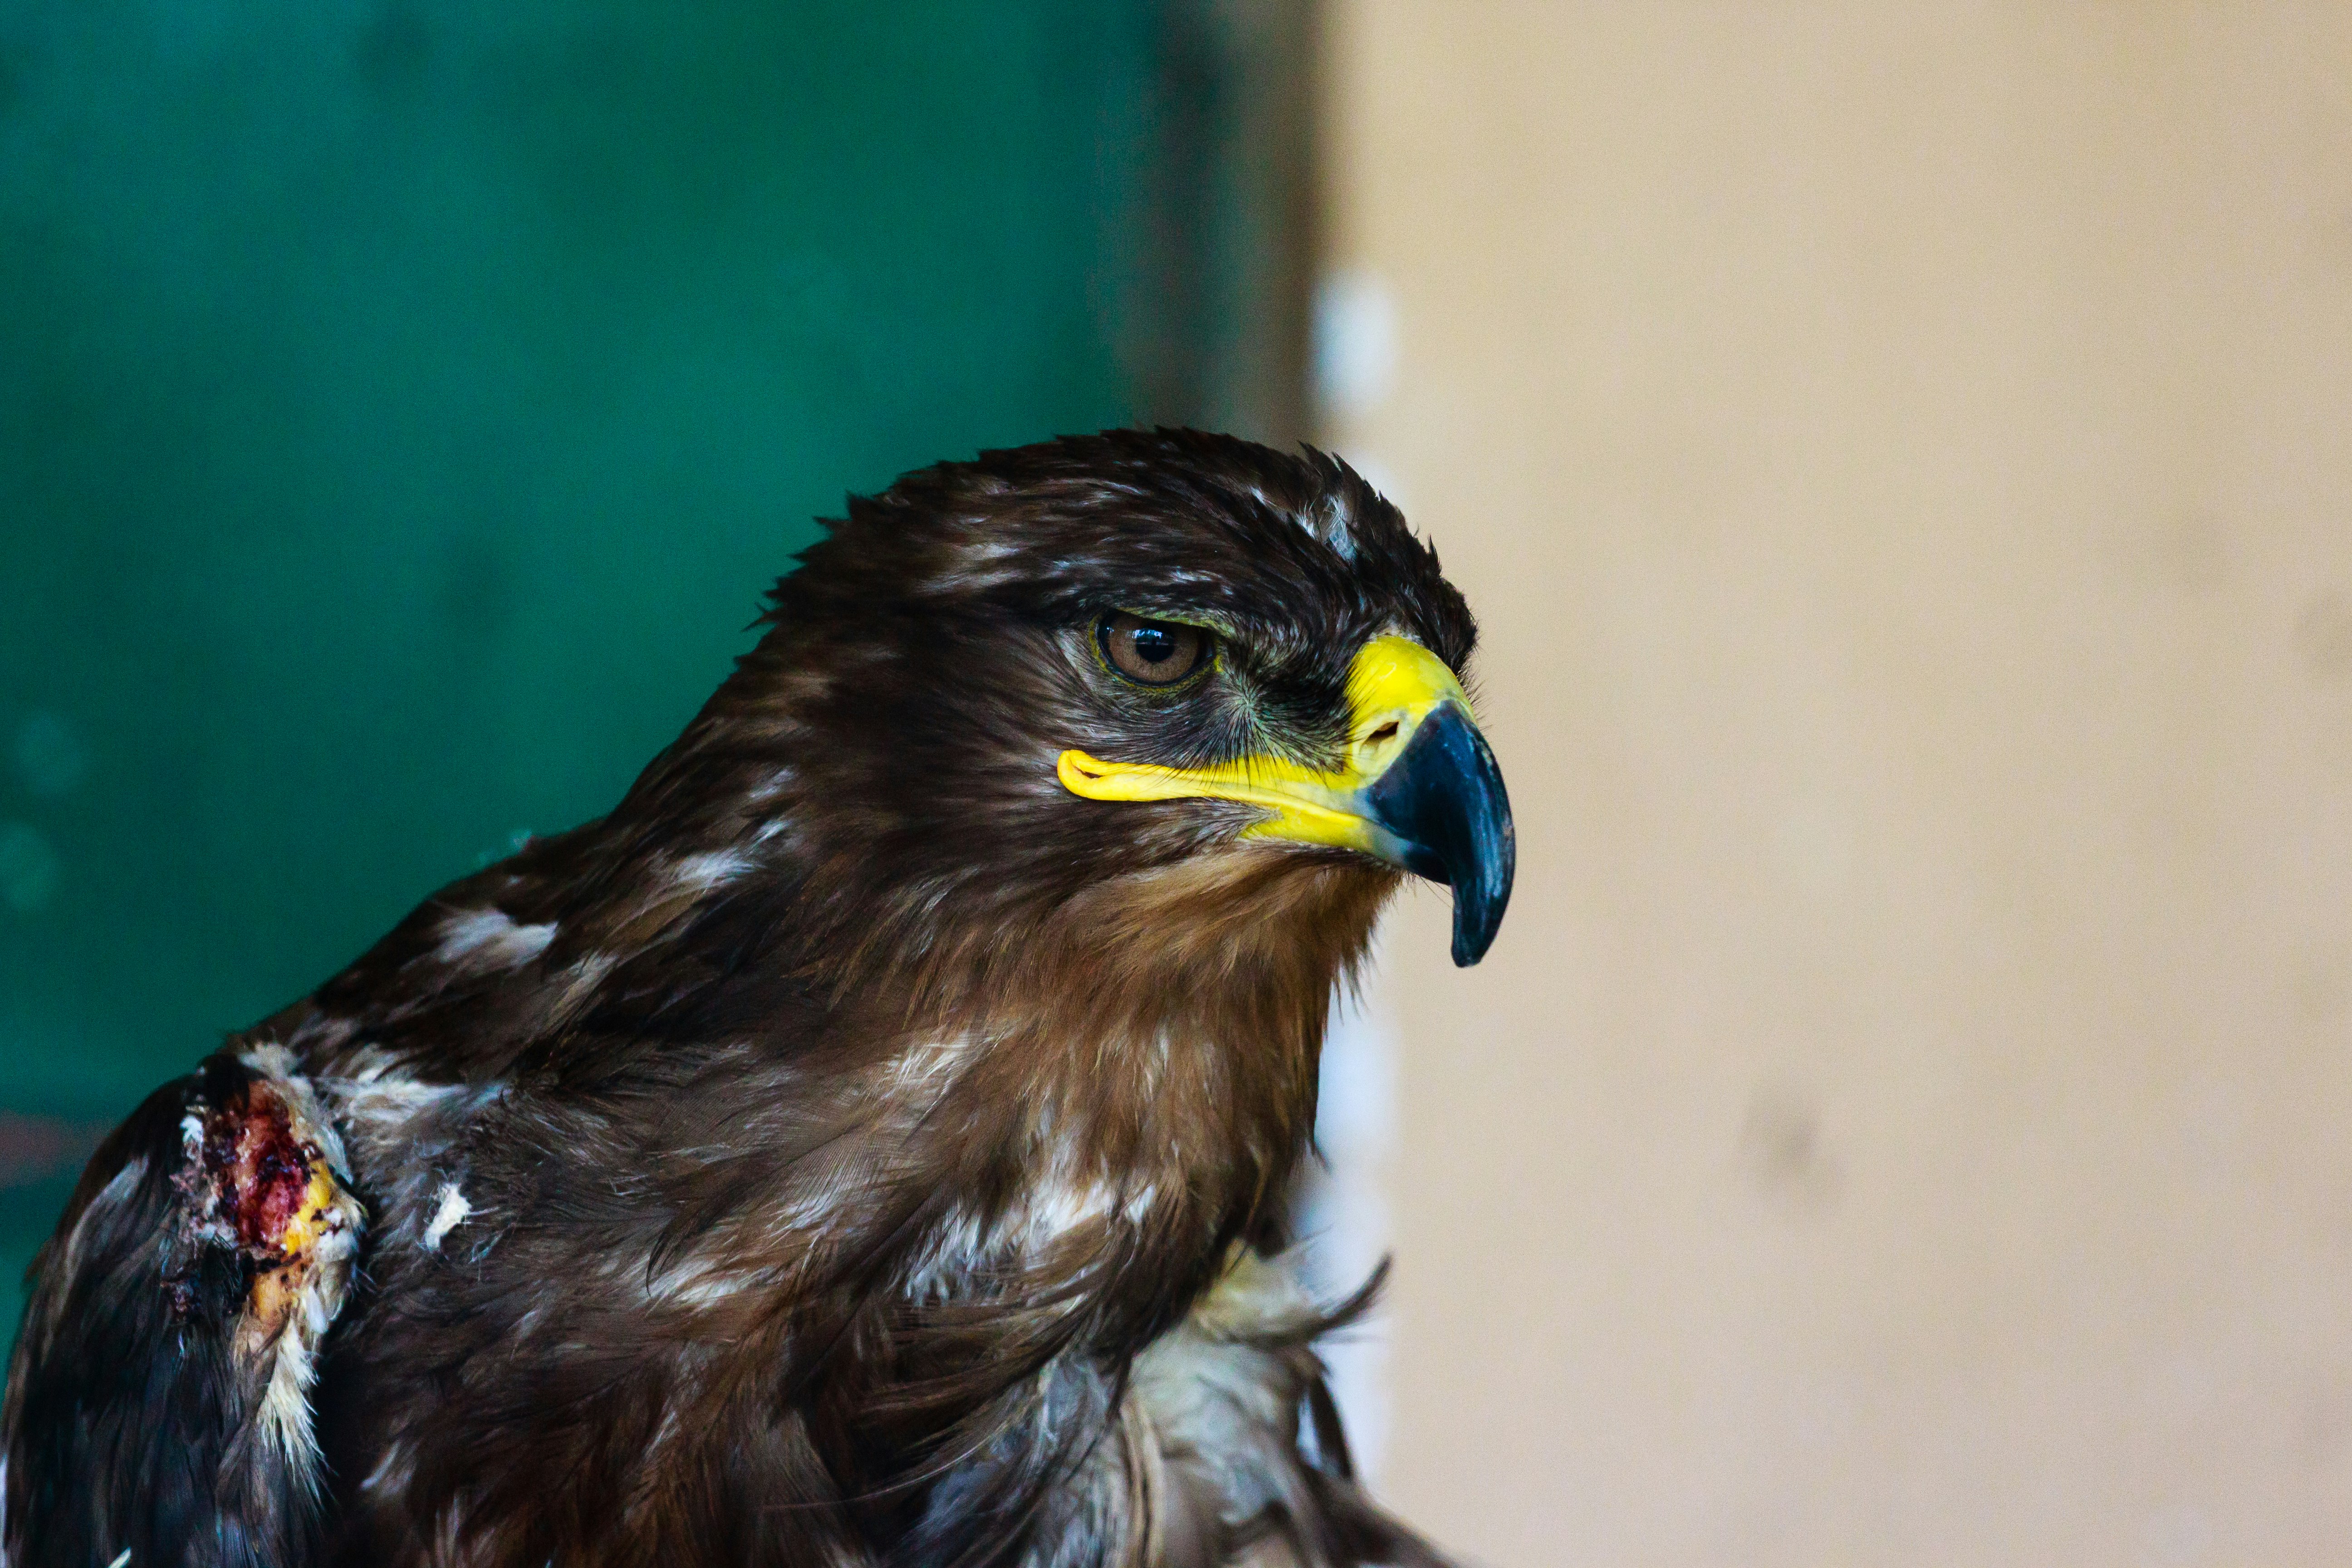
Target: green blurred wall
(403, 406)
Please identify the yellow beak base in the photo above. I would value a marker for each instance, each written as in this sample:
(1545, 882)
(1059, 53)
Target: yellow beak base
(1419, 789)
(1392, 685)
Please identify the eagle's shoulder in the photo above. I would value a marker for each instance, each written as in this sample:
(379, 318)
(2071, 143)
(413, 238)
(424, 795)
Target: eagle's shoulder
(169, 1349)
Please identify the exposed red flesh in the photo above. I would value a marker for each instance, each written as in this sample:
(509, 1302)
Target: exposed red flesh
(259, 1168)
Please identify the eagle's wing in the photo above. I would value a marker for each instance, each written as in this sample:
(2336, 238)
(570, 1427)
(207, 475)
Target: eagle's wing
(159, 1400)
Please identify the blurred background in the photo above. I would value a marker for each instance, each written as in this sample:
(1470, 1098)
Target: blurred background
(1901, 457)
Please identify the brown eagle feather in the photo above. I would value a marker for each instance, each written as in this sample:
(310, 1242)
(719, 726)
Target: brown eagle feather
(856, 1148)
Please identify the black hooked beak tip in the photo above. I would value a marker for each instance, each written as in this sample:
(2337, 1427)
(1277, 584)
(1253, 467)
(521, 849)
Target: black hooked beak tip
(1443, 800)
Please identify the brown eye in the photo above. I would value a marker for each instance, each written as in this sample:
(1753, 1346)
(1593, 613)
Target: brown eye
(1151, 653)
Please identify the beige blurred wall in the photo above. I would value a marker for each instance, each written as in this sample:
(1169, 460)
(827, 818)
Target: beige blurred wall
(1902, 458)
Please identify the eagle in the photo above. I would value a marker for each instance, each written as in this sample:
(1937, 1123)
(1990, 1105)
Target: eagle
(867, 1145)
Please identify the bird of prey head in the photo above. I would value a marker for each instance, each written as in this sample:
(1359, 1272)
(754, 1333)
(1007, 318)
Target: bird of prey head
(1156, 689)
(872, 1135)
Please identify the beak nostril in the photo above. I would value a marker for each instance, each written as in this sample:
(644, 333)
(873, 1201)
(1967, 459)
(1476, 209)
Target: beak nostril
(1385, 733)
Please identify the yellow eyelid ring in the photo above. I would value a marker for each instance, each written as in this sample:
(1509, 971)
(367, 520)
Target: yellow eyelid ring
(1420, 788)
